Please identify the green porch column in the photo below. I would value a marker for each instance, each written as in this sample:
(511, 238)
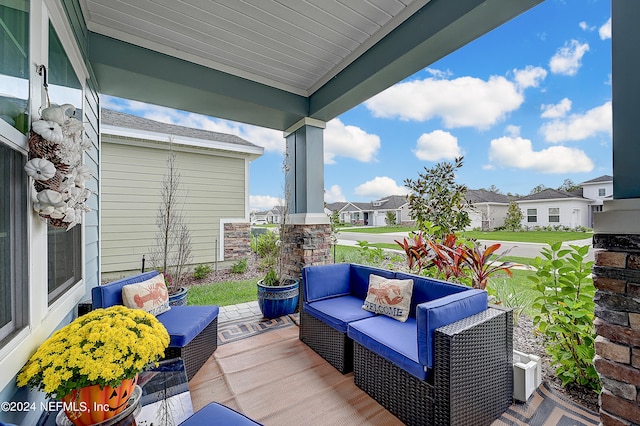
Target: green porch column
(307, 235)
(616, 273)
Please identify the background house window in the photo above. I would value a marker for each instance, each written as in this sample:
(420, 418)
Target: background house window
(64, 247)
(14, 63)
(554, 215)
(602, 192)
(14, 210)
(532, 215)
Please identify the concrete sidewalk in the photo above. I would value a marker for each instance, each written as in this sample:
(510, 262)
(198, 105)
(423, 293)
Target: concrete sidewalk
(248, 310)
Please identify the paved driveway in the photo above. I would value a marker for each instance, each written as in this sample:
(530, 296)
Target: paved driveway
(530, 250)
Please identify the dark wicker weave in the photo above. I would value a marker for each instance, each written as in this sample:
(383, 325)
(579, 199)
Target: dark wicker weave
(198, 351)
(330, 344)
(471, 382)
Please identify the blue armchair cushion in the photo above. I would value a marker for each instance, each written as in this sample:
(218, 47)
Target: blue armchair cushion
(329, 281)
(393, 340)
(214, 414)
(337, 312)
(110, 294)
(440, 312)
(183, 323)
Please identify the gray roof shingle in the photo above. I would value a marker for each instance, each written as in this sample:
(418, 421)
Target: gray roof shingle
(603, 178)
(120, 119)
(549, 194)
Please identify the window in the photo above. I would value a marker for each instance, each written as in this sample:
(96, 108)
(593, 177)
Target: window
(602, 192)
(64, 247)
(14, 210)
(554, 215)
(14, 63)
(532, 215)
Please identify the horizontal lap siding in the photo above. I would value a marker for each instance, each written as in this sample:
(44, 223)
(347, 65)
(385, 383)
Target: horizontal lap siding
(212, 188)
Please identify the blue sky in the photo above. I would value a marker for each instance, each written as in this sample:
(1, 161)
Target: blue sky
(527, 104)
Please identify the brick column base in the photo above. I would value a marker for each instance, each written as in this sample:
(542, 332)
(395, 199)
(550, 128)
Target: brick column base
(237, 241)
(616, 276)
(305, 245)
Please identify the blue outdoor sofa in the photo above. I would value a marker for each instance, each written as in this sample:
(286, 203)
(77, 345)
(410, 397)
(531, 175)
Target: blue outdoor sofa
(448, 364)
(193, 330)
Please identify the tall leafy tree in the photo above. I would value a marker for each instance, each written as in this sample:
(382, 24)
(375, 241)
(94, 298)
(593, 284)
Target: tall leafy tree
(569, 186)
(513, 218)
(436, 199)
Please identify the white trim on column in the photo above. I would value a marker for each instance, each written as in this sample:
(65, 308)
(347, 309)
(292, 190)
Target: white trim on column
(308, 219)
(221, 242)
(618, 217)
(307, 121)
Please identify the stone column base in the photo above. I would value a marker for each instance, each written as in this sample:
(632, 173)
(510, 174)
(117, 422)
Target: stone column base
(305, 245)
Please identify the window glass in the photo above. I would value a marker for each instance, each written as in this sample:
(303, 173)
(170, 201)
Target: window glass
(532, 215)
(14, 63)
(602, 192)
(554, 214)
(13, 236)
(64, 247)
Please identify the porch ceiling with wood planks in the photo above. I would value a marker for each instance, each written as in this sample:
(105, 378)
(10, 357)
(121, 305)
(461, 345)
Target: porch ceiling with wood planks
(272, 63)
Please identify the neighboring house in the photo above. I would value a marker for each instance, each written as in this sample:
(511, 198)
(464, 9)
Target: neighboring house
(598, 190)
(373, 213)
(259, 217)
(214, 184)
(275, 214)
(552, 207)
(489, 209)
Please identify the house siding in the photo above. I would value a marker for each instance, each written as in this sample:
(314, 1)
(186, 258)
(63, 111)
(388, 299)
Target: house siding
(214, 187)
(567, 215)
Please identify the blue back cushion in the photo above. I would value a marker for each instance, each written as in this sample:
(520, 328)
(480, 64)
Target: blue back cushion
(110, 294)
(427, 289)
(325, 281)
(360, 279)
(445, 310)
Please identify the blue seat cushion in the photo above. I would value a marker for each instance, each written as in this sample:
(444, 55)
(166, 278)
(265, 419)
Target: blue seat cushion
(214, 414)
(185, 322)
(337, 312)
(393, 340)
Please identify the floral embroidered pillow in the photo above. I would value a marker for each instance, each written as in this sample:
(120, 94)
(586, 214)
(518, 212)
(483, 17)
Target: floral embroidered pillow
(150, 295)
(389, 297)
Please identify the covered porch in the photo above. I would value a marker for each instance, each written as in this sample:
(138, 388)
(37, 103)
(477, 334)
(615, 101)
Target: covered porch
(292, 68)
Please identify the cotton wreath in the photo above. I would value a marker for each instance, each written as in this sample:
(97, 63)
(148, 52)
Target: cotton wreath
(56, 146)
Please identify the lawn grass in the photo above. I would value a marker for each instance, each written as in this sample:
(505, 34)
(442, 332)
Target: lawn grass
(223, 293)
(378, 229)
(523, 237)
(528, 236)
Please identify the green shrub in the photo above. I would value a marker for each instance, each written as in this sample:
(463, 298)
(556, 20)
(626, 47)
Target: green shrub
(240, 267)
(567, 312)
(201, 271)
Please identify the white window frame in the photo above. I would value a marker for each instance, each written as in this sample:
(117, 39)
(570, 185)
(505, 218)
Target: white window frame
(554, 215)
(534, 215)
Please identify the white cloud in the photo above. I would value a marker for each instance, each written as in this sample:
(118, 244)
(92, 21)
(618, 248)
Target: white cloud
(341, 140)
(605, 30)
(264, 202)
(378, 187)
(508, 152)
(580, 126)
(334, 194)
(271, 140)
(460, 102)
(568, 59)
(437, 145)
(586, 27)
(529, 77)
(556, 110)
(512, 130)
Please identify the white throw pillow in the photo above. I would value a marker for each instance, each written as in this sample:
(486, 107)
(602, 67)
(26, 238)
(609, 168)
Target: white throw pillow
(389, 297)
(150, 295)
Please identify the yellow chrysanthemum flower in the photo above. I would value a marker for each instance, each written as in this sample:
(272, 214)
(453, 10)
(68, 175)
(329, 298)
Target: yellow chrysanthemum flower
(102, 347)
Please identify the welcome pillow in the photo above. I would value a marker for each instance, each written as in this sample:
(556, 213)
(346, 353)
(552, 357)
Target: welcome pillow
(150, 295)
(389, 297)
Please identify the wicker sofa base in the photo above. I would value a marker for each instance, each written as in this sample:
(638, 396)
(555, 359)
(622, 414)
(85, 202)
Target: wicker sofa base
(335, 347)
(198, 351)
(471, 382)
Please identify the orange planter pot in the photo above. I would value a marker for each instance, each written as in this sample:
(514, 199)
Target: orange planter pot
(91, 405)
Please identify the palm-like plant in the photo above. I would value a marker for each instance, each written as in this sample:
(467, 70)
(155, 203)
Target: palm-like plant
(481, 266)
(418, 253)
